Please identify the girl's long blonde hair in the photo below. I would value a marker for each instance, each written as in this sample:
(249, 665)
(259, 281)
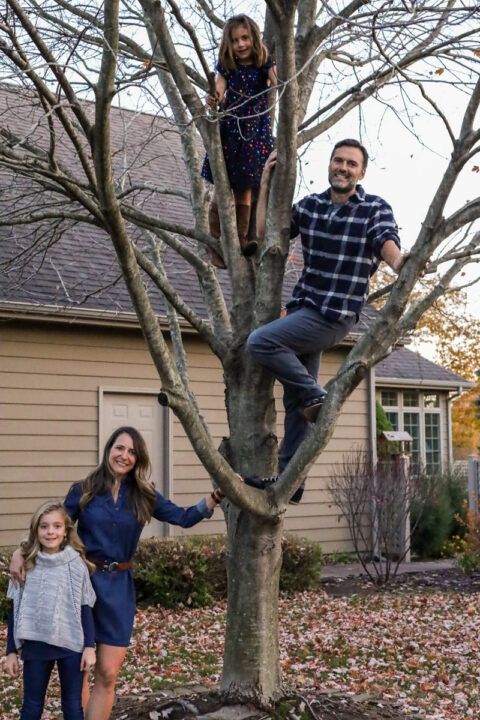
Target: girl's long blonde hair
(226, 56)
(142, 496)
(30, 547)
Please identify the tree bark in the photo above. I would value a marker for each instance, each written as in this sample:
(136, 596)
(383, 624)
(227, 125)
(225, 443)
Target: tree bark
(250, 666)
(254, 518)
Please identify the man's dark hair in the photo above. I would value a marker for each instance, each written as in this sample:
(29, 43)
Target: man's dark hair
(350, 142)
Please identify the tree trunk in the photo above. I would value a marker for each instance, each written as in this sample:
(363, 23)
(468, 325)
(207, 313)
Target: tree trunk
(251, 660)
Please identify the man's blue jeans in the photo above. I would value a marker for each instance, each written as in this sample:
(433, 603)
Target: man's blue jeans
(36, 676)
(290, 348)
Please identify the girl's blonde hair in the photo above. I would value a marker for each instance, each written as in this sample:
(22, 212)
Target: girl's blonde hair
(31, 546)
(141, 498)
(226, 57)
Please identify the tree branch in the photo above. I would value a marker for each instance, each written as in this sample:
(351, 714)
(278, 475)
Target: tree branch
(159, 277)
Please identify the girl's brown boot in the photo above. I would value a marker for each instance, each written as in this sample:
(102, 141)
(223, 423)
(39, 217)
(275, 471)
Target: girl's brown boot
(248, 247)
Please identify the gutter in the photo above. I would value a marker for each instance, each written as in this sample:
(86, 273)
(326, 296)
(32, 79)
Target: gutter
(449, 425)
(16, 311)
(423, 382)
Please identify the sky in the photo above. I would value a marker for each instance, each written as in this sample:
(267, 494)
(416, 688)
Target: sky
(409, 151)
(406, 173)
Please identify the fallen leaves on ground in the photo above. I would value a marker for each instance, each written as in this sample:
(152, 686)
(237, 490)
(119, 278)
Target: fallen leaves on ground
(421, 651)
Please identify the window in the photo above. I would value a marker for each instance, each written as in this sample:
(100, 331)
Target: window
(432, 442)
(419, 414)
(431, 400)
(411, 398)
(389, 398)
(411, 424)
(393, 418)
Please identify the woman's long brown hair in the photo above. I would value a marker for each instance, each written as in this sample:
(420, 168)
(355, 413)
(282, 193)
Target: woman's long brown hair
(100, 481)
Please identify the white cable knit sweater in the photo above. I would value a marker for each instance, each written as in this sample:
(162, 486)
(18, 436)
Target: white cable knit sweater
(48, 606)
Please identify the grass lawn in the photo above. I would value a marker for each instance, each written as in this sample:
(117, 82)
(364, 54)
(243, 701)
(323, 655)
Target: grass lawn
(421, 649)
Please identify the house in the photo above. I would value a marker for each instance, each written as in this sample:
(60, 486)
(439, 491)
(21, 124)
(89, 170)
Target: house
(416, 395)
(74, 366)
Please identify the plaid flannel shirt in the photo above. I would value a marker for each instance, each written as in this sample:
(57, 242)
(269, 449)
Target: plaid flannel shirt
(341, 246)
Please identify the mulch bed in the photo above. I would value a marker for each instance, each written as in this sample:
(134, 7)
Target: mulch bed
(450, 580)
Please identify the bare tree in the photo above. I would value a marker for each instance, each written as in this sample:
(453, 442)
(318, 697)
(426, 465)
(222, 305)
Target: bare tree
(376, 499)
(332, 58)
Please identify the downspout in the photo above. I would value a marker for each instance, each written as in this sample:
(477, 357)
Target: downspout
(449, 426)
(372, 438)
(372, 415)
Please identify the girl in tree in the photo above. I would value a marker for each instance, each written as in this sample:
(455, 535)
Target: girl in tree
(244, 74)
(51, 619)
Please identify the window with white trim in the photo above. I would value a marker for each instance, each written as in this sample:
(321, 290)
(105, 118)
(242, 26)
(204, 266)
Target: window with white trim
(417, 413)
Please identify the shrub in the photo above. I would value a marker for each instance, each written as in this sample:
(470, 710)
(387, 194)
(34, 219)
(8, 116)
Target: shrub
(192, 571)
(469, 559)
(440, 517)
(302, 564)
(453, 547)
(4, 603)
(184, 571)
(385, 449)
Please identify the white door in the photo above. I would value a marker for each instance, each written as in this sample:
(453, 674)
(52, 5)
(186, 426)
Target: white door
(142, 412)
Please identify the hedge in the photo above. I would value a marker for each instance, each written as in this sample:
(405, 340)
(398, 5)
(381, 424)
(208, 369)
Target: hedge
(192, 571)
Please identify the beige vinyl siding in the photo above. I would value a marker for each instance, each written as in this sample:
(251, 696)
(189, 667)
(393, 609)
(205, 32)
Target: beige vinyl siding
(317, 517)
(50, 377)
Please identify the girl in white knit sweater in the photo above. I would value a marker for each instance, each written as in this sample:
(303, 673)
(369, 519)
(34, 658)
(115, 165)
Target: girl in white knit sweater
(51, 617)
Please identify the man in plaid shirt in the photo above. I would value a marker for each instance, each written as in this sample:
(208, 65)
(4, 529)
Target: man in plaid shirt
(345, 234)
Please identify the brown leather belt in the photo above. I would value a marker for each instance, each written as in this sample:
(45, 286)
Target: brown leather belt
(110, 565)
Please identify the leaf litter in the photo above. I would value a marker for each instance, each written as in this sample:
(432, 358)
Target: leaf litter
(414, 652)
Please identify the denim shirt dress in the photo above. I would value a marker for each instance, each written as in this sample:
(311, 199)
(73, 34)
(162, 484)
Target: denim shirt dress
(110, 531)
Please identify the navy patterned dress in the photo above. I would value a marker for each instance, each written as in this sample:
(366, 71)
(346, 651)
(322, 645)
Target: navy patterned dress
(245, 128)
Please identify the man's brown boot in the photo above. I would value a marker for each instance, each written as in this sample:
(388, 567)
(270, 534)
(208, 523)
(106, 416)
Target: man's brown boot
(214, 225)
(248, 247)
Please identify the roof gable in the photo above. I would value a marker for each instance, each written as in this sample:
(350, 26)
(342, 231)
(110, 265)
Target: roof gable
(408, 366)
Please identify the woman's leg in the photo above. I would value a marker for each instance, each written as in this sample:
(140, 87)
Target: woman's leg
(85, 691)
(71, 680)
(109, 661)
(36, 676)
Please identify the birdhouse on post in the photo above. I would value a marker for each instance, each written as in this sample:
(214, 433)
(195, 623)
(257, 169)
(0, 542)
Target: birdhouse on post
(394, 442)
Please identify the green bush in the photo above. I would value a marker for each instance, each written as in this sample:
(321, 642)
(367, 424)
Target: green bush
(385, 448)
(192, 571)
(301, 565)
(436, 521)
(4, 603)
(382, 421)
(184, 571)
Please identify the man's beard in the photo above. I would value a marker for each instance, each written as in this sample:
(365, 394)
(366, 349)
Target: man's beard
(342, 189)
